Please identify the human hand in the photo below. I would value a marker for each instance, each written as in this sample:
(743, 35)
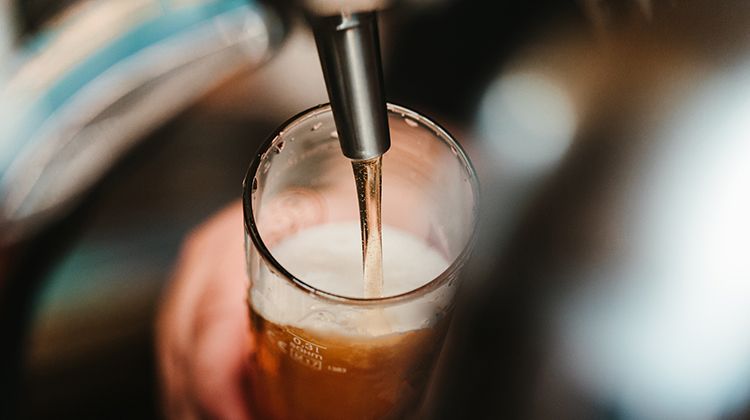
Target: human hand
(202, 333)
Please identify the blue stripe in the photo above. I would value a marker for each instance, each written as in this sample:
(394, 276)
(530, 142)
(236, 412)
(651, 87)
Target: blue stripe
(130, 43)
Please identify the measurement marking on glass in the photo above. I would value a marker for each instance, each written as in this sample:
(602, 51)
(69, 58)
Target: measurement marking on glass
(306, 341)
(305, 351)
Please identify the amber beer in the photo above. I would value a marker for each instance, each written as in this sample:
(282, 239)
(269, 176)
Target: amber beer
(325, 360)
(299, 374)
(318, 359)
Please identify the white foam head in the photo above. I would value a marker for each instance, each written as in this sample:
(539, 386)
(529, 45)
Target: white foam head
(329, 258)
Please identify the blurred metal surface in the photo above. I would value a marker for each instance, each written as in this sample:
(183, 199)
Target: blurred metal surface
(88, 88)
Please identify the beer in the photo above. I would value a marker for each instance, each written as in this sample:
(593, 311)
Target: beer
(367, 175)
(305, 366)
(300, 374)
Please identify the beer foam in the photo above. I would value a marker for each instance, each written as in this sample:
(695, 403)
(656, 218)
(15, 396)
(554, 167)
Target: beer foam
(329, 258)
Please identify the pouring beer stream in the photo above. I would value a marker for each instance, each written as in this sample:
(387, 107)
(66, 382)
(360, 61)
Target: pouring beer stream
(349, 49)
(327, 344)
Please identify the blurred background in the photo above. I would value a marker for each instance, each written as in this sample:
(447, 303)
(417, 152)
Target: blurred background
(612, 139)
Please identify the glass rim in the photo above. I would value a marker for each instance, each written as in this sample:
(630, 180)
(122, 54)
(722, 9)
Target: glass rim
(251, 228)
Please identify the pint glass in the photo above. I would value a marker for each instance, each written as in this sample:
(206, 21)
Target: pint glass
(322, 350)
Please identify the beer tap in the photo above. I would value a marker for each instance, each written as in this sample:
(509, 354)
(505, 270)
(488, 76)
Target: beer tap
(349, 50)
